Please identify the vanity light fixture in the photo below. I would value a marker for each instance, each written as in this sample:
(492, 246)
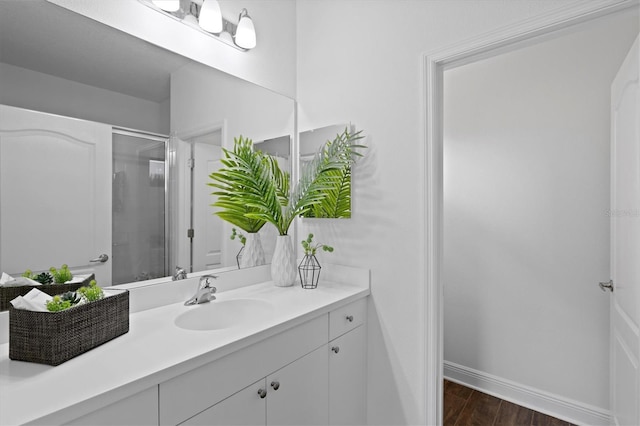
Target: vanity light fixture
(205, 16)
(168, 5)
(210, 18)
(245, 33)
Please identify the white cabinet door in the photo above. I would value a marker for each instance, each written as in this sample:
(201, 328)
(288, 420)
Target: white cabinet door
(247, 407)
(298, 393)
(138, 409)
(347, 378)
(55, 192)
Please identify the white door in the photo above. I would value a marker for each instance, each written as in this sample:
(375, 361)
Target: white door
(207, 240)
(625, 242)
(55, 193)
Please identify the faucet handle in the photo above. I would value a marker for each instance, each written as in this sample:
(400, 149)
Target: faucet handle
(204, 282)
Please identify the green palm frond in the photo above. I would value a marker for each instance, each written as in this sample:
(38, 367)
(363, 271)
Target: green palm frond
(252, 189)
(324, 173)
(241, 177)
(337, 200)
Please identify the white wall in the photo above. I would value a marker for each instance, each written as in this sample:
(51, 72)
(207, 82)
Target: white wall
(526, 142)
(270, 64)
(361, 61)
(42, 92)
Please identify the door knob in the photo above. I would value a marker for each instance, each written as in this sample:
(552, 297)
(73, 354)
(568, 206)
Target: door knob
(275, 385)
(262, 393)
(604, 286)
(102, 258)
(350, 318)
(335, 349)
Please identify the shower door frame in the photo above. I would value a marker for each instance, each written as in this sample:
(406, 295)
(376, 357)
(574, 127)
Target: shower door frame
(156, 137)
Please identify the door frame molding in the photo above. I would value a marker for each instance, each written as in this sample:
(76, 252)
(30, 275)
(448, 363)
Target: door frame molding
(505, 39)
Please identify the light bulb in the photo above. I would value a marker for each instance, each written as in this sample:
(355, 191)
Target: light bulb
(210, 16)
(246, 32)
(168, 5)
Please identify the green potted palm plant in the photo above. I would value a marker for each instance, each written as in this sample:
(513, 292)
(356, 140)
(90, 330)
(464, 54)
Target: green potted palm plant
(255, 181)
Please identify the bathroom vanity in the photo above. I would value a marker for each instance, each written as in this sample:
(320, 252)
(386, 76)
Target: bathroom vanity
(258, 354)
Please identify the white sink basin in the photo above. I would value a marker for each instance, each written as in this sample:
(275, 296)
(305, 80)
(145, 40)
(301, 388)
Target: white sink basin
(221, 314)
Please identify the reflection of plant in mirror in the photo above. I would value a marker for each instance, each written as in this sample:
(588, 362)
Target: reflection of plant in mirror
(42, 278)
(310, 248)
(235, 234)
(253, 185)
(231, 182)
(61, 275)
(337, 200)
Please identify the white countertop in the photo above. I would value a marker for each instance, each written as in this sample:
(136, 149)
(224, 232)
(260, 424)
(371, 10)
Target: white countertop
(153, 351)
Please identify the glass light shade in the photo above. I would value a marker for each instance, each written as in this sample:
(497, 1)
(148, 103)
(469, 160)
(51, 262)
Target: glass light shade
(246, 32)
(168, 5)
(210, 16)
(190, 19)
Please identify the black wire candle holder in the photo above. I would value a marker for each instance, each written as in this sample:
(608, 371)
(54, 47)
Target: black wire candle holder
(309, 270)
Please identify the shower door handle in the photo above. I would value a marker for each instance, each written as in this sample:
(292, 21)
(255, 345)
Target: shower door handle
(102, 258)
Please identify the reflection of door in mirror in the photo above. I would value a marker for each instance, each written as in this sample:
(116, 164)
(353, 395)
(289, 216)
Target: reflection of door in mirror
(139, 207)
(55, 193)
(206, 244)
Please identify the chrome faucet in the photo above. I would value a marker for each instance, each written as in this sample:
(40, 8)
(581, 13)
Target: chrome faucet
(205, 291)
(180, 274)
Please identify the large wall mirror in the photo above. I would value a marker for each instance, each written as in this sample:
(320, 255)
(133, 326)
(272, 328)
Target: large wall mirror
(164, 119)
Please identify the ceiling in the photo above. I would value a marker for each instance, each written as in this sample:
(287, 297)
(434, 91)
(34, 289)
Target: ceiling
(43, 37)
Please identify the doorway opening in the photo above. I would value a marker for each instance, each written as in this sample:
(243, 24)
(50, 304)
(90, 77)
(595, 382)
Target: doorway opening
(436, 64)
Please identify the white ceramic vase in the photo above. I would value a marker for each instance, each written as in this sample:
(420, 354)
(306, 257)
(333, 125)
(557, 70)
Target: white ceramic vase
(283, 264)
(253, 253)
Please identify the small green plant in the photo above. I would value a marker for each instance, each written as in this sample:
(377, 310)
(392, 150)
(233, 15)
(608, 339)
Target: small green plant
(61, 275)
(71, 296)
(310, 248)
(57, 304)
(91, 293)
(42, 278)
(235, 234)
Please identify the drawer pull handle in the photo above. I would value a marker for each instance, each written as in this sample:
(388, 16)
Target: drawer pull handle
(350, 318)
(336, 349)
(262, 393)
(275, 385)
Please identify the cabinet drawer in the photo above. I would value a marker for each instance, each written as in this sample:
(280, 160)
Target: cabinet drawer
(347, 318)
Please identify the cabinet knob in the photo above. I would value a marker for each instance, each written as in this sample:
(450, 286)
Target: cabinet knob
(335, 349)
(262, 393)
(350, 318)
(275, 385)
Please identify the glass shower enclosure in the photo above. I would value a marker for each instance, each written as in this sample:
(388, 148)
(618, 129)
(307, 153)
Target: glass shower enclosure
(139, 221)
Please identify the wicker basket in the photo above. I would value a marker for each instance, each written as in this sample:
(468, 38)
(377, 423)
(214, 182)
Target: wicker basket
(7, 294)
(55, 337)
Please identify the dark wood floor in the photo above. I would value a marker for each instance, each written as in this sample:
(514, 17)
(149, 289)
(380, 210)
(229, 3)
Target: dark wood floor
(464, 407)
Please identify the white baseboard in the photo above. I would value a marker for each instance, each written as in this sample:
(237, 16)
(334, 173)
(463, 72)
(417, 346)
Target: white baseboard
(563, 408)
